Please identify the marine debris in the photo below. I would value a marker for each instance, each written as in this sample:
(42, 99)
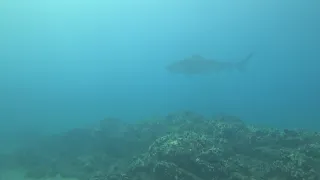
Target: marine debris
(180, 146)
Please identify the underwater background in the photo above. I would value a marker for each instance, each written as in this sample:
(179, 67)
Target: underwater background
(66, 64)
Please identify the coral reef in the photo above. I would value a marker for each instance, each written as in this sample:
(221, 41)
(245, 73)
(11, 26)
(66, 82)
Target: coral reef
(180, 146)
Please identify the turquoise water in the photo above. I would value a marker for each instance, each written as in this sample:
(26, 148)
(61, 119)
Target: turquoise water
(68, 63)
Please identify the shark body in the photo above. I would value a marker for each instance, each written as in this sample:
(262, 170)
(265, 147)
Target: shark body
(197, 64)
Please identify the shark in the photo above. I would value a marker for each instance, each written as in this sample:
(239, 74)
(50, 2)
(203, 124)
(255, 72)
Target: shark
(197, 64)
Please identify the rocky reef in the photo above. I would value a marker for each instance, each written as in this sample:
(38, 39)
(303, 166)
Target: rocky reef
(180, 146)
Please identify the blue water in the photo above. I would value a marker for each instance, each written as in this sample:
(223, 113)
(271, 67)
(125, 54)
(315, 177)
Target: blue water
(68, 63)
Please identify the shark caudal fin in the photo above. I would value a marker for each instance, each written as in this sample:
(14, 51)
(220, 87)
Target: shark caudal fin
(242, 65)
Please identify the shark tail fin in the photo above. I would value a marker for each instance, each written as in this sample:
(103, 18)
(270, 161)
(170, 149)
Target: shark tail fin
(242, 65)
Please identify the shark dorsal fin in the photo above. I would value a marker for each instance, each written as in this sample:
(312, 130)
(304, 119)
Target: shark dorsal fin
(197, 57)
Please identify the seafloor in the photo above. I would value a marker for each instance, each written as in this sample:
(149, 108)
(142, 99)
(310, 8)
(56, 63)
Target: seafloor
(180, 146)
(19, 174)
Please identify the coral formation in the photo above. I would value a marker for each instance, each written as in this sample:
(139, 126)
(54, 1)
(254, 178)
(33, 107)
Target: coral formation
(180, 146)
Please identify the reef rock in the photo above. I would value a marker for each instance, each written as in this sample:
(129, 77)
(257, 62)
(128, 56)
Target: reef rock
(180, 146)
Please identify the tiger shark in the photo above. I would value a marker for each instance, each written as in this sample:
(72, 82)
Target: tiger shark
(197, 64)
